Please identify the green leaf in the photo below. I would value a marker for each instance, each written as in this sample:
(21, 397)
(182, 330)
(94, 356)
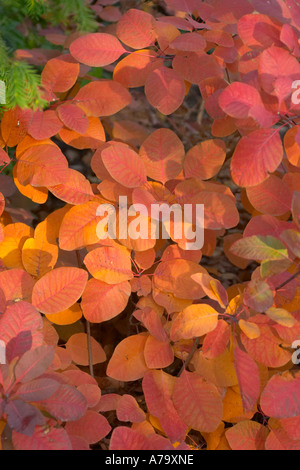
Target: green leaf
(260, 248)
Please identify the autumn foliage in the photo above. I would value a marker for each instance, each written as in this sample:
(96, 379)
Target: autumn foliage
(196, 364)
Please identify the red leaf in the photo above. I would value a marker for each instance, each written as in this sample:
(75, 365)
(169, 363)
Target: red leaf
(229, 11)
(158, 354)
(184, 5)
(249, 380)
(259, 30)
(43, 439)
(18, 345)
(158, 388)
(136, 29)
(66, 404)
(2, 203)
(256, 155)
(281, 396)
(197, 402)
(192, 42)
(92, 427)
(165, 90)
(23, 417)
(4, 157)
(44, 124)
(247, 435)
(124, 438)
(278, 69)
(34, 363)
(129, 410)
(124, 165)
(272, 196)
(195, 67)
(238, 99)
(216, 341)
(73, 118)
(97, 49)
(20, 318)
(37, 390)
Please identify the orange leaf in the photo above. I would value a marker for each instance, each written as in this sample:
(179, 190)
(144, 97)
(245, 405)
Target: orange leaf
(38, 195)
(194, 321)
(77, 347)
(39, 256)
(16, 285)
(127, 362)
(102, 98)
(158, 354)
(75, 190)
(292, 146)
(92, 138)
(77, 223)
(175, 276)
(124, 165)
(67, 317)
(101, 301)
(163, 154)
(14, 125)
(109, 264)
(133, 70)
(136, 29)
(42, 165)
(251, 330)
(205, 159)
(60, 74)
(59, 289)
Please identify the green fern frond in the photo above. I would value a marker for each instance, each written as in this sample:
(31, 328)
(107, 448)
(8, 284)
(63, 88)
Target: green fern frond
(35, 8)
(75, 13)
(22, 86)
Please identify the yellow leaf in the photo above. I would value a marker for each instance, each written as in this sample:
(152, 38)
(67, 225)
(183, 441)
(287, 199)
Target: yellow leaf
(38, 256)
(281, 316)
(15, 236)
(67, 317)
(250, 329)
(195, 320)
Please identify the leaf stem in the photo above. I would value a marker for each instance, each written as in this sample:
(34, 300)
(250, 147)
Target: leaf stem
(190, 356)
(89, 344)
(288, 280)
